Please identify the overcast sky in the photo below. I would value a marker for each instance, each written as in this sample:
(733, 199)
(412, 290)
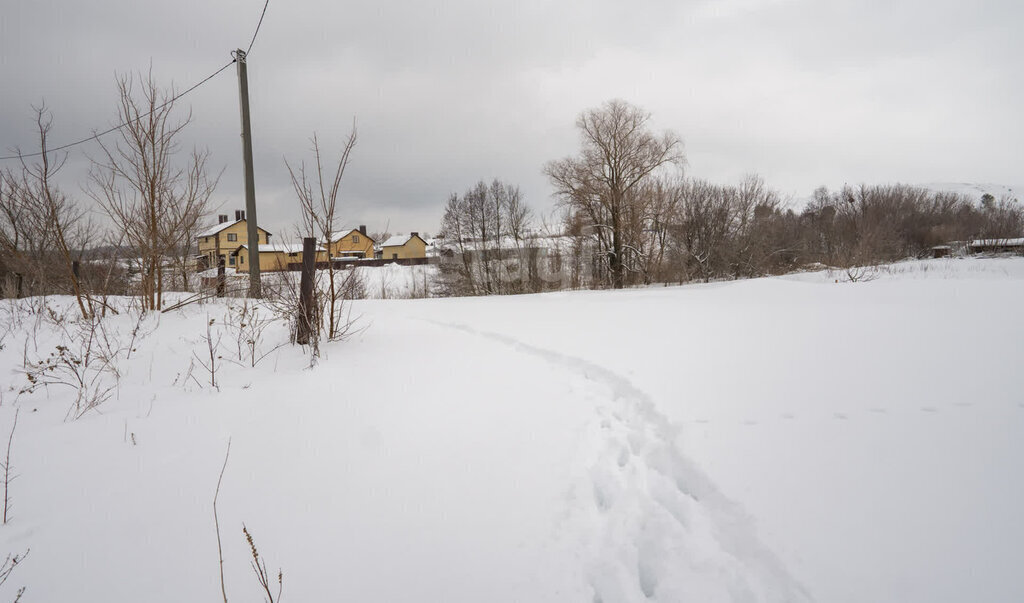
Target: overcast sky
(803, 92)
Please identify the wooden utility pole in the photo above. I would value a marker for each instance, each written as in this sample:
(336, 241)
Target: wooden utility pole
(250, 183)
(304, 324)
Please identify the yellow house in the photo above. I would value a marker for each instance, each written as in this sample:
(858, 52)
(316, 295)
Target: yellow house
(354, 243)
(218, 242)
(404, 247)
(273, 258)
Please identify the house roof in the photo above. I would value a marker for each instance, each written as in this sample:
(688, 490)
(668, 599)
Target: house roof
(399, 240)
(998, 243)
(209, 232)
(338, 237)
(276, 248)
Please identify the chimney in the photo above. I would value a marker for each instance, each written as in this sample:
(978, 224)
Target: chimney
(239, 214)
(362, 229)
(414, 234)
(222, 218)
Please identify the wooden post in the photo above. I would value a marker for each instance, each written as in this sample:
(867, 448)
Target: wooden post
(221, 277)
(304, 325)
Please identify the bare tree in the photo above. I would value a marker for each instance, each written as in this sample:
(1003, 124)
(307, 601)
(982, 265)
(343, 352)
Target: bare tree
(151, 198)
(44, 228)
(618, 152)
(318, 200)
(487, 227)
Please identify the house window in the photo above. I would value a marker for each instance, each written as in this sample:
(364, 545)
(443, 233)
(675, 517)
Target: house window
(394, 256)
(232, 236)
(231, 260)
(355, 238)
(241, 259)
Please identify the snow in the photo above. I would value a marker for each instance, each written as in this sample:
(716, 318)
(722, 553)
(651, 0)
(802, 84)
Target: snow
(278, 247)
(209, 232)
(398, 240)
(395, 281)
(1000, 242)
(782, 439)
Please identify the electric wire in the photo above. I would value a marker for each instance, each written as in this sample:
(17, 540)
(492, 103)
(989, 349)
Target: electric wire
(96, 135)
(255, 33)
(122, 124)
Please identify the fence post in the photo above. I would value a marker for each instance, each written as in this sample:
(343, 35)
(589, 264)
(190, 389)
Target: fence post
(304, 326)
(221, 278)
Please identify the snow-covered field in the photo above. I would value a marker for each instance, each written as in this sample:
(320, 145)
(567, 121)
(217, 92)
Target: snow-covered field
(782, 439)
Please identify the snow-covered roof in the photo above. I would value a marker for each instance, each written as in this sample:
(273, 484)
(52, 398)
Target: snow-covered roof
(209, 232)
(398, 240)
(1019, 242)
(219, 227)
(344, 233)
(278, 248)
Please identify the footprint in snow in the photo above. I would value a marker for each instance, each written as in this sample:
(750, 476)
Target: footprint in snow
(840, 415)
(929, 409)
(623, 457)
(966, 404)
(877, 410)
(748, 422)
(788, 415)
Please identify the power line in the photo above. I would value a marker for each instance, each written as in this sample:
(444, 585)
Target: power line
(96, 136)
(255, 33)
(122, 124)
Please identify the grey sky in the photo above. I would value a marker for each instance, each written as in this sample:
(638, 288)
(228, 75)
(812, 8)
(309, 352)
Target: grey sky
(446, 93)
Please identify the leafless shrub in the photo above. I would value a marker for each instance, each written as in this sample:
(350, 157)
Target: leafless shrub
(8, 477)
(216, 521)
(10, 562)
(259, 567)
(317, 194)
(211, 360)
(248, 324)
(85, 361)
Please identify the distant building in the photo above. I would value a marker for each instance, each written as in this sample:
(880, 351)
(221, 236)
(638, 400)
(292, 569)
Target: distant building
(997, 245)
(404, 247)
(218, 242)
(273, 258)
(352, 244)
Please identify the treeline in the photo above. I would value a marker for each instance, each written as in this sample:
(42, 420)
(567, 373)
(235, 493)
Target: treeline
(628, 216)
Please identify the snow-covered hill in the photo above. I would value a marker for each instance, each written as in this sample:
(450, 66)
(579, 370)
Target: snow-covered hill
(783, 439)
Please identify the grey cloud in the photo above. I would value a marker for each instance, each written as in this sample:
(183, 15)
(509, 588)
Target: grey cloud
(444, 94)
